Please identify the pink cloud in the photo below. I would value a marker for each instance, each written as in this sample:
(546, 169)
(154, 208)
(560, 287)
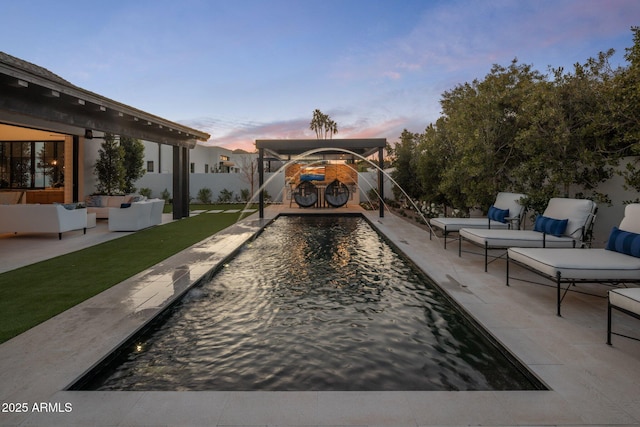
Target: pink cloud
(244, 136)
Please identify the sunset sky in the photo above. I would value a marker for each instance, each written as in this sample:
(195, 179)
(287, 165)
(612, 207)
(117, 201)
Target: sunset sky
(244, 70)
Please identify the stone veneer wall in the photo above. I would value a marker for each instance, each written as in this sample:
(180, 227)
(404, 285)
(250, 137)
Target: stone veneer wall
(344, 173)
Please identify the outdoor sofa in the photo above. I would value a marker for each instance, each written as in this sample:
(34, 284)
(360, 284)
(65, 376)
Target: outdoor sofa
(618, 263)
(136, 216)
(100, 204)
(505, 211)
(564, 224)
(45, 218)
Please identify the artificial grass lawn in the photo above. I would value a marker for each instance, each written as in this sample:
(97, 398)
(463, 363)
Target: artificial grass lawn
(32, 294)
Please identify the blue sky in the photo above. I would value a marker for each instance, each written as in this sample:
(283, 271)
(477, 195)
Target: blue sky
(245, 69)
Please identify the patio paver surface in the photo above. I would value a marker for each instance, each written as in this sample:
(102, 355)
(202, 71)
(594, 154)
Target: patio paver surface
(590, 383)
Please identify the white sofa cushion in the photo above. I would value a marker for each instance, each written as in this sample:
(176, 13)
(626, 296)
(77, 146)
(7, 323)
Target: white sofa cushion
(45, 218)
(157, 206)
(136, 217)
(100, 204)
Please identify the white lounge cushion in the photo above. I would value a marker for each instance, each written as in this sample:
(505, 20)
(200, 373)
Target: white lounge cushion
(455, 224)
(631, 220)
(515, 238)
(627, 298)
(577, 211)
(504, 200)
(510, 201)
(585, 264)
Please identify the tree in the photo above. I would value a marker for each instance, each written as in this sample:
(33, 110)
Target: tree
(249, 171)
(481, 121)
(323, 125)
(405, 164)
(109, 167)
(566, 146)
(133, 162)
(627, 116)
(434, 153)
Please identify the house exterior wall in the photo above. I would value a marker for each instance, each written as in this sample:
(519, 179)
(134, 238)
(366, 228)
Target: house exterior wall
(216, 182)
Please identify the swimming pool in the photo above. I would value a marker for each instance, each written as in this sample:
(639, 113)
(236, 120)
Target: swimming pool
(315, 303)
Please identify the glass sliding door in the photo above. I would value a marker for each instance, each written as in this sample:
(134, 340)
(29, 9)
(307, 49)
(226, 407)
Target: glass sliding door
(31, 164)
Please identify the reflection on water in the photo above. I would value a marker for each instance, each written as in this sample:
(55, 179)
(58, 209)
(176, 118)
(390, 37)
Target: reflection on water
(315, 304)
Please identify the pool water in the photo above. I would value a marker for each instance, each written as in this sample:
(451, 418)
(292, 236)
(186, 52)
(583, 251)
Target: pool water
(315, 303)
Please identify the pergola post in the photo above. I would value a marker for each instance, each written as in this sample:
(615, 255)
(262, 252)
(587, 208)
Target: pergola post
(180, 182)
(380, 180)
(261, 181)
(185, 181)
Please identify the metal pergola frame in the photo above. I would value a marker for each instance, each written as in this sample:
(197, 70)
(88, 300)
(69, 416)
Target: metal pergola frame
(329, 149)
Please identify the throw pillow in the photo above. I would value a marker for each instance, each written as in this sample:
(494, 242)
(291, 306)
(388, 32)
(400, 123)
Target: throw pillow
(125, 205)
(624, 242)
(94, 201)
(555, 227)
(67, 206)
(496, 214)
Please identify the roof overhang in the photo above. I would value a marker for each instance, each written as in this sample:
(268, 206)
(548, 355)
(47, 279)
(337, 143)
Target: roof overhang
(287, 149)
(34, 97)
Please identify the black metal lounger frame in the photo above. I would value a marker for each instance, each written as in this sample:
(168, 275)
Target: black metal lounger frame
(487, 248)
(610, 308)
(559, 281)
(444, 233)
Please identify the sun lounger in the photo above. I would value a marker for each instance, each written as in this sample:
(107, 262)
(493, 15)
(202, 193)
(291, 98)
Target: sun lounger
(613, 265)
(497, 218)
(563, 224)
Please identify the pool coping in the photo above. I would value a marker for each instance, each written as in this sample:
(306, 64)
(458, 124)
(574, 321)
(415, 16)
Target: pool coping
(592, 384)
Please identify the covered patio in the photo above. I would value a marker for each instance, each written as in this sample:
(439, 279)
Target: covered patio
(348, 150)
(35, 99)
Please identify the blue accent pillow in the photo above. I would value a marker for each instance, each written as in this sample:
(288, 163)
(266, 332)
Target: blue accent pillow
(496, 214)
(624, 242)
(125, 205)
(555, 227)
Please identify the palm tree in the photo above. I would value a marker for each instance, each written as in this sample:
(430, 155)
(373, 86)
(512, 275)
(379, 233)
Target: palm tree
(323, 125)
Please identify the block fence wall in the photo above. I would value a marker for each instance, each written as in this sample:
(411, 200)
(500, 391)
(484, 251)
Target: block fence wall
(235, 182)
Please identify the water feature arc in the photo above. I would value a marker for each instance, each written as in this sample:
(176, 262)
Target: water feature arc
(381, 173)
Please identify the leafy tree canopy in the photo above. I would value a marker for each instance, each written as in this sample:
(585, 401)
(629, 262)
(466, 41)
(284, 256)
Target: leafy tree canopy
(517, 129)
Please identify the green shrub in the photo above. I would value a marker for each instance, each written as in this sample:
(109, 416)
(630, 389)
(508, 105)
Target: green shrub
(146, 192)
(204, 195)
(225, 196)
(165, 195)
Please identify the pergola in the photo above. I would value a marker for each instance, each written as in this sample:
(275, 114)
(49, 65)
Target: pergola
(33, 97)
(327, 149)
